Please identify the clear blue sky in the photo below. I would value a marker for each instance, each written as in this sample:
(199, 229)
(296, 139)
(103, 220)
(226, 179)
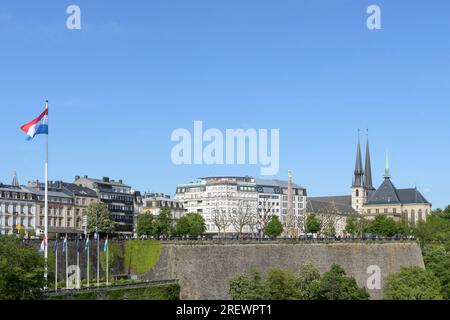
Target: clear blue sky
(140, 69)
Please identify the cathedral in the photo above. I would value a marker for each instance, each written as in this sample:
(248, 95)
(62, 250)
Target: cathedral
(396, 203)
(368, 201)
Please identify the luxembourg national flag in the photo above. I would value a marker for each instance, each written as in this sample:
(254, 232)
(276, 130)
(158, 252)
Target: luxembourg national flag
(37, 126)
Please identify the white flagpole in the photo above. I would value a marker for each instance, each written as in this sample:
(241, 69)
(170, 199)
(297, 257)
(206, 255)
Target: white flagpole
(46, 204)
(88, 248)
(98, 260)
(67, 263)
(78, 263)
(56, 265)
(107, 262)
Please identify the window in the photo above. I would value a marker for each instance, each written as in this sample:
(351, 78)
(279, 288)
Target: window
(357, 192)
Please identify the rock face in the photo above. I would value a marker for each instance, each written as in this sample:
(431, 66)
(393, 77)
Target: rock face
(204, 270)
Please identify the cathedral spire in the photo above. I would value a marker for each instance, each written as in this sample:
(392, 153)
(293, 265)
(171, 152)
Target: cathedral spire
(387, 174)
(359, 172)
(368, 184)
(15, 180)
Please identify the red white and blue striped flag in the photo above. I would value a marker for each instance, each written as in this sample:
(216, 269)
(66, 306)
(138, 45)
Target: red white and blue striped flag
(37, 126)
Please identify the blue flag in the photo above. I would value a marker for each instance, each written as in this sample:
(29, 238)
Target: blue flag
(86, 244)
(64, 247)
(55, 245)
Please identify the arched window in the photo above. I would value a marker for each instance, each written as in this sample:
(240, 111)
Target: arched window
(413, 216)
(357, 192)
(420, 215)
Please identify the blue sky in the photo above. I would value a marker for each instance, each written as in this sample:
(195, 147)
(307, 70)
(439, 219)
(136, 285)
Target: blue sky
(138, 70)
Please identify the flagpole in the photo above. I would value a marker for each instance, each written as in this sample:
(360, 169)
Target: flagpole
(56, 264)
(98, 260)
(107, 260)
(46, 204)
(67, 264)
(88, 284)
(78, 264)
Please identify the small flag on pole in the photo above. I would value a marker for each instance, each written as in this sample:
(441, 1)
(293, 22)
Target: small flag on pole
(86, 244)
(37, 126)
(55, 246)
(64, 245)
(43, 245)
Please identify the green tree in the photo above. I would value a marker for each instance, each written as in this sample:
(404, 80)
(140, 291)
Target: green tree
(145, 224)
(356, 226)
(21, 270)
(183, 226)
(336, 285)
(99, 219)
(306, 279)
(247, 286)
(312, 224)
(196, 224)
(382, 226)
(412, 283)
(437, 260)
(435, 230)
(280, 285)
(274, 228)
(163, 223)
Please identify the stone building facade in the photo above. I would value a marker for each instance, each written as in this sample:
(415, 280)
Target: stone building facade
(17, 208)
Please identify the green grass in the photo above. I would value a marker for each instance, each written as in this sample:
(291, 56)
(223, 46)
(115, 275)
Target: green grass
(141, 256)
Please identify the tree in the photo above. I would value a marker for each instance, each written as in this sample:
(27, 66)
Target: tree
(163, 223)
(264, 213)
(412, 283)
(437, 260)
(280, 285)
(192, 224)
(312, 224)
(328, 224)
(241, 217)
(183, 226)
(21, 270)
(434, 230)
(274, 228)
(220, 219)
(306, 279)
(336, 285)
(247, 286)
(99, 219)
(356, 226)
(382, 226)
(197, 224)
(145, 224)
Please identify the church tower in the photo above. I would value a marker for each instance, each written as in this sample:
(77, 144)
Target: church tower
(368, 184)
(358, 186)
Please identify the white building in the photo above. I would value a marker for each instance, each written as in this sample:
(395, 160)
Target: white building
(273, 199)
(229, 197)
(17, 208)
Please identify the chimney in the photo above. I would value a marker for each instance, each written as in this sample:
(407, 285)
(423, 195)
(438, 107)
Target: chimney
(77, 178)
(121, 181)
(105, 179)
(86, 177)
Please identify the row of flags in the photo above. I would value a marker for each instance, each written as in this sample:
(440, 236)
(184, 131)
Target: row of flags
(65, 245)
